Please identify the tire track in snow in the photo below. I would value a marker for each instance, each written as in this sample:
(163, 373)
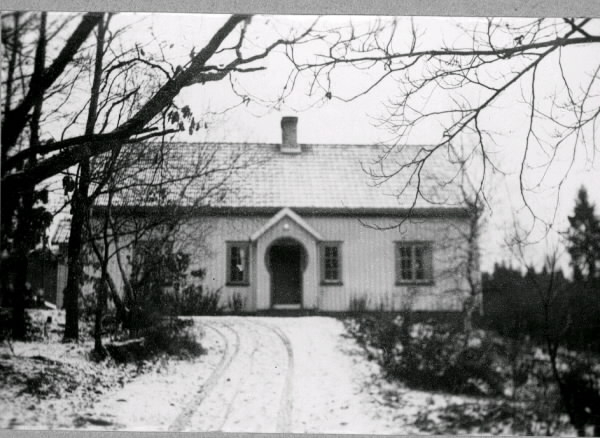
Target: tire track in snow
(284, 417)
(183, 419)
(238, 387)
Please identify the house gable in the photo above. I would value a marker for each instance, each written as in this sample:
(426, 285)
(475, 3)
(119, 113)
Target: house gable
(283, 213)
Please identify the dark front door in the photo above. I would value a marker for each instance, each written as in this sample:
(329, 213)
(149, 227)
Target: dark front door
(286, 274)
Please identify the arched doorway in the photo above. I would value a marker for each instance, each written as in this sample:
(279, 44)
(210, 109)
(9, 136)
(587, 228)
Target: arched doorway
(286, 260)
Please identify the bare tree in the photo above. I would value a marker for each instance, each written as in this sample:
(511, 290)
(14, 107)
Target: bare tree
(462, 240)
(454, 90)
(121, 110)
(572, 372)
(170, 184)
(143, 122)
(80, 204)
(32, 219)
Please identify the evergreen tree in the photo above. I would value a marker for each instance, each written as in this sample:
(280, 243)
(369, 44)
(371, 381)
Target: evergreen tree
(583, 243)
(583, 239)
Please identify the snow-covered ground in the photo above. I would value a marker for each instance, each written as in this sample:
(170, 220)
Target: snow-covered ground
(47, 384)
(260, 374)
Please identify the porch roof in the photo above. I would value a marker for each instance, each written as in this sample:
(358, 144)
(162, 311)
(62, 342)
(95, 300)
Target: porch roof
(285, 212)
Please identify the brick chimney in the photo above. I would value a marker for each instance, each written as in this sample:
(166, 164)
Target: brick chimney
(289, 135)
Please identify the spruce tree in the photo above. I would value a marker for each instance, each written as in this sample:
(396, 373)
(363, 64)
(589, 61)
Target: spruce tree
(583, 239)
(583, 243)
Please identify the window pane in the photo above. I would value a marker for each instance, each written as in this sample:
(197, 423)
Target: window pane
(331, 263)
(233, 263)
(428, 262)
(419, 263)
(237, 263)
(406, 263)
(413, 262)
(242, 260)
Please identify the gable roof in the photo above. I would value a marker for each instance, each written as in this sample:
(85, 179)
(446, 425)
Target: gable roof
(285, 212)
(329, 176)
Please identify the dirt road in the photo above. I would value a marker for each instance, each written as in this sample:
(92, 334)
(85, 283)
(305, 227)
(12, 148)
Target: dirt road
(260, 375)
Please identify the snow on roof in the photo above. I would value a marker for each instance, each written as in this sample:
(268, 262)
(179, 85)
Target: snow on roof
(331, 176)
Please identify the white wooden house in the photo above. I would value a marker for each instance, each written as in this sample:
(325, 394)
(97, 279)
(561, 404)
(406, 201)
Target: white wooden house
(307, 226)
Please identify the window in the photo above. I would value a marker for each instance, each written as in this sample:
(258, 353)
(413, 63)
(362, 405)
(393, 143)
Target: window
(237, 263)
(331, 262)
(414, 262)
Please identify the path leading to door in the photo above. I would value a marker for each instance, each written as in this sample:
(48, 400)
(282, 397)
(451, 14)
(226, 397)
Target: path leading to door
(331, 382)
(261, 374)
(285, 375)
(249, 390)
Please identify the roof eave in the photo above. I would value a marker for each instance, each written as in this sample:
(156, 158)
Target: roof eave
(417, 212)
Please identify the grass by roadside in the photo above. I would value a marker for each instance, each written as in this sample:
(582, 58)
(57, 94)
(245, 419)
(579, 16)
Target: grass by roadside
(449, 383)
(49, 384)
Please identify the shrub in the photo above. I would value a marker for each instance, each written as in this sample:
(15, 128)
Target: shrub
(236, 303)
(32, 332)
(429, 356)
(195, 300)
(5, 324)
(173, 337)
(158, 295)
(160, 288)
(157, 271)
(358, 304)
(581, 395)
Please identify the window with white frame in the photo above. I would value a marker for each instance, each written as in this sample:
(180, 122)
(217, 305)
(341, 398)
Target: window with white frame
(237, 263)
(331, 262)
(414, 262)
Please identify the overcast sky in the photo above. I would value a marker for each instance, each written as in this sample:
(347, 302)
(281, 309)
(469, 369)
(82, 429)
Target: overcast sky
(334, 121)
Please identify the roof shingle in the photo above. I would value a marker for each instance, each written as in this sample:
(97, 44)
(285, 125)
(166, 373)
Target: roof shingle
(328, 176)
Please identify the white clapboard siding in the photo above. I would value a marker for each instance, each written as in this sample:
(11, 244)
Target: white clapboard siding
(368, 265)
(221, 229)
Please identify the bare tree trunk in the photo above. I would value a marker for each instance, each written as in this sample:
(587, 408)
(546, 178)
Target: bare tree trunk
(122, 314)
(11, 69)
(472, 263)
(554, 338)
(99, 314)
(102, 284)
(18, 316)
(80, 208)
(26, 232)
(75, 273)
(8, 206)
(124, 276)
